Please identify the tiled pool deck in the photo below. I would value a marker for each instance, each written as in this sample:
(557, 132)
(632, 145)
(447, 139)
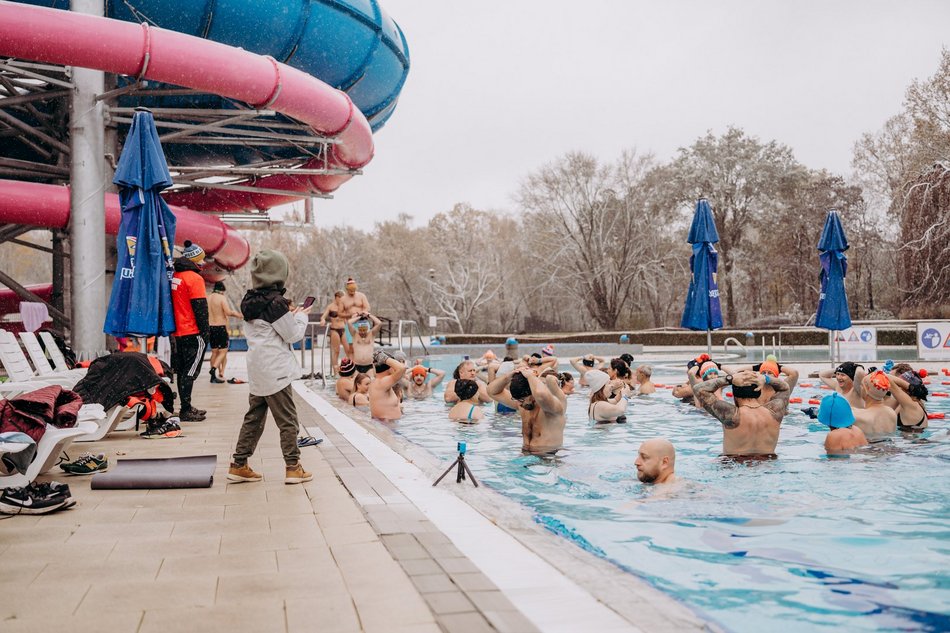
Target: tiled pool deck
(348, 551)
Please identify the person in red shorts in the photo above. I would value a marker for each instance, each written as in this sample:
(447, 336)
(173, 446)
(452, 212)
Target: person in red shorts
(190, 303)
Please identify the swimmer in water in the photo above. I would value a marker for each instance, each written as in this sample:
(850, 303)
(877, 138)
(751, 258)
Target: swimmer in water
(344, 384)
(835, 412)
(875, 419)
(910, 393)
(419, 387)
(541, 404)
(567, 382)
(645, 385)
(749, 428)
(469, 371)
(847, 379)
(584, 364)
(656, 462)
(607, 401)
(359, 397)
(467, 411)
(383, 401)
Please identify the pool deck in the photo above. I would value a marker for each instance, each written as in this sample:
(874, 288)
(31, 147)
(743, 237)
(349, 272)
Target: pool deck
(348, 551)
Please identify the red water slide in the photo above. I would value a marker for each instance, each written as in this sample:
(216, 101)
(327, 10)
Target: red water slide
(137, 50)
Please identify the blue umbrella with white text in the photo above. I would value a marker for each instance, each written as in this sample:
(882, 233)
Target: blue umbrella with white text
(141, 303)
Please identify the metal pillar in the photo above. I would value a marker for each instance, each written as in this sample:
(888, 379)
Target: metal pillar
(59, 278)
(87, 226)
(308, 210)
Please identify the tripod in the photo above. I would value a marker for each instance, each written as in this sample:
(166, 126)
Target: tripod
(461, 466)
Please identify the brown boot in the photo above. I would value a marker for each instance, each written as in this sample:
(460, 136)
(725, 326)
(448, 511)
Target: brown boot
(297, 475)
(243, 473)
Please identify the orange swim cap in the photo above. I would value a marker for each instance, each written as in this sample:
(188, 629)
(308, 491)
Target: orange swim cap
(769, 367)
(880, 384)
(418, 370)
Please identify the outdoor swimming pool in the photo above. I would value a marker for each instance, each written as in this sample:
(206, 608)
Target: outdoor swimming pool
(800, 543)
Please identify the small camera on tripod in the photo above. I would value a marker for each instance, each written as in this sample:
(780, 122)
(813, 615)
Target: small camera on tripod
(461, 448)
(461, 468)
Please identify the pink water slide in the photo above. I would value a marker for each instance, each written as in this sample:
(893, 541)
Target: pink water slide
(137, 50)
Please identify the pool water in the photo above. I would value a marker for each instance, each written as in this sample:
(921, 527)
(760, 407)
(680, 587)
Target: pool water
(802, 543)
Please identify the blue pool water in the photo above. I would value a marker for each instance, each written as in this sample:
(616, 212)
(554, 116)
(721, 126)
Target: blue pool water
(803, 543)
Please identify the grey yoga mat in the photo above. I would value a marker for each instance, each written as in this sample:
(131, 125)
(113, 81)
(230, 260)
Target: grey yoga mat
(172, 472)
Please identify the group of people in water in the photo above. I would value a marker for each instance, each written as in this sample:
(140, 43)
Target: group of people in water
(867, 405)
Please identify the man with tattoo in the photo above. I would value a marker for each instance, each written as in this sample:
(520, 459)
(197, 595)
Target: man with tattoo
(749, 427)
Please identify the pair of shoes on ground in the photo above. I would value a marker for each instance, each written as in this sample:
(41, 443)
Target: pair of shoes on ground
(87, 464)
(294, 474)
(162, 428)
(36, 498)
(220, 381)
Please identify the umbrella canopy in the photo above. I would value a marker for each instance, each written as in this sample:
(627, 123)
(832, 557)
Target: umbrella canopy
(141, 303)
(833, 313)
(702, 311)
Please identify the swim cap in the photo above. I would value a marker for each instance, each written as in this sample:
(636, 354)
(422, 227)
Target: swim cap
(350, 282)
(418, 370)
(847, 368)
(347, 367)
(772, 357)
(627, 358)
(707, 368)
(466, 389)
(769, 367)
(362, 324)
(587, 362)
(597, 380)
(877, 385)
(915, 386)
(547, 350)
(835, 411)
(505, 368)
(746, 391)
(489, 355)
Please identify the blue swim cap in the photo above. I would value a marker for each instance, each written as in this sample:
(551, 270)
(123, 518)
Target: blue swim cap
(624, 338)
(835, 411)
(511, 341)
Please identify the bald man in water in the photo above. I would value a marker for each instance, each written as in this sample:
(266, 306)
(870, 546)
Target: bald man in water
(656, 462)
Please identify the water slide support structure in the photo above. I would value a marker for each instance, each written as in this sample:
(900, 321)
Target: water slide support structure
(87, 226)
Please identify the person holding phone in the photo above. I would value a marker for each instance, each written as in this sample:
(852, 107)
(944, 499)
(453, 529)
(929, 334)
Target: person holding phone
(271, 327)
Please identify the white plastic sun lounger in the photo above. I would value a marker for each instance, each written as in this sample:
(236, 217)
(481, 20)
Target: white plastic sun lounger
(38, 356)
(106, 424)
(19, 370)
(48, 450)
(55, 354)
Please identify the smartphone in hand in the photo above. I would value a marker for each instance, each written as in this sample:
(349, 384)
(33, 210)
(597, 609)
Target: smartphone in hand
(308, 302)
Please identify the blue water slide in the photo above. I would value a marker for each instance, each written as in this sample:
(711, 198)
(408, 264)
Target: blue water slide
(352, 45)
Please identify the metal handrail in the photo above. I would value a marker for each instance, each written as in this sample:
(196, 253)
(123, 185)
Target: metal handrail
(418, 335)
(323, 349)
(734, 341)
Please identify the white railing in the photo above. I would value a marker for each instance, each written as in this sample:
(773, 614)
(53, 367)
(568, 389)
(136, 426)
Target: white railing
(413, 328)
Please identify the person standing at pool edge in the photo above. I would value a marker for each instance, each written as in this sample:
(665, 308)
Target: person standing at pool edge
(749, 428)
(271, 327)
(219, 309)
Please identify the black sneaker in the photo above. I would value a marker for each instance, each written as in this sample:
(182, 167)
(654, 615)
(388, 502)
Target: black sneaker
(161, 429)
(191, 415)
(53, 489)
(214, 376)
(28, 501)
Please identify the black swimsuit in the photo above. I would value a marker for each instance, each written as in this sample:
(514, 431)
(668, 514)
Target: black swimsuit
(911, 427)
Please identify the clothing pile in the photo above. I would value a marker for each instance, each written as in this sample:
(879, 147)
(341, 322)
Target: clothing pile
(29, 413)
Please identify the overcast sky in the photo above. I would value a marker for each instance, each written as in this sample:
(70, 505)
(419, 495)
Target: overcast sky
(498, 88)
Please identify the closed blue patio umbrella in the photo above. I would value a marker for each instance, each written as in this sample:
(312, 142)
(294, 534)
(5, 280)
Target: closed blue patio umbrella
(833, 313)
(702, 310)
(141, 303)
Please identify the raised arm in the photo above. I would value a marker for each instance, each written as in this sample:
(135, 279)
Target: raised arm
(722, 410)
(778, 403)
(547, 392)
(900, 393)
(438, 376)
(398, 368)
(496, 389)
(577, 364)
(376, 324)
(827, 376)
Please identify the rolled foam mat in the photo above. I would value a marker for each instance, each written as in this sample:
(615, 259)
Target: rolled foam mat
(146, 474)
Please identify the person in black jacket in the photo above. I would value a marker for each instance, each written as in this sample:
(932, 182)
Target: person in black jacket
(190, 302)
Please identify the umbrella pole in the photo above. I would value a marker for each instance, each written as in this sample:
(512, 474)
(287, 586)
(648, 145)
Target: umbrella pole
(709, 342)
